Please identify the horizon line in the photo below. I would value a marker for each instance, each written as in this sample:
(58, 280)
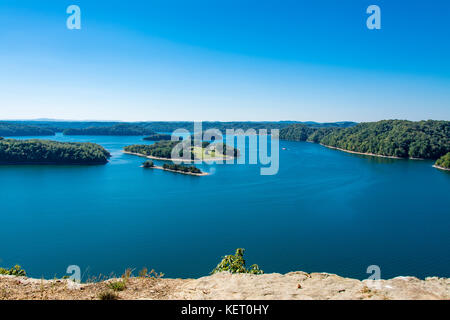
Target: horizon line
(256, 121)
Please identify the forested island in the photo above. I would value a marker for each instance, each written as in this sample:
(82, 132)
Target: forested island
(21, 130)
(115, 130)
(158, 137)
(162, 150)
(391, 138)
(181, 168)
(443, 162)
(51, 152)
(191, 170)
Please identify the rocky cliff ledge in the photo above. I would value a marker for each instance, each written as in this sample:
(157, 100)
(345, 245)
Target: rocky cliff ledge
(293, 285)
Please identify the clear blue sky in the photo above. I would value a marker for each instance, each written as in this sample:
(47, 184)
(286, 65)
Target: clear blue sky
(225, 60)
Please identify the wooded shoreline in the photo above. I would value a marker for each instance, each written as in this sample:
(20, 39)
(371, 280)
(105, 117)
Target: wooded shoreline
(369, 154)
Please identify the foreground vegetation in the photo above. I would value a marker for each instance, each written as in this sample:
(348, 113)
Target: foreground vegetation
(397, 138)
(50, 152)
(444, 161)
(252, 285)
(236, 264)
(229, 263)
(14, 271)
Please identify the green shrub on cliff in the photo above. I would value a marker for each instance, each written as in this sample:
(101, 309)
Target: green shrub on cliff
(108, 295)
(117, 285)
(14, 271)
(236, 264)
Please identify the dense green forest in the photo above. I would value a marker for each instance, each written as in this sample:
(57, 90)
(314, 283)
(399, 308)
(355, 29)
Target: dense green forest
(400, 138)
(18, 130)
(158, 137)
(339, 124)
(50, 152)
(181, 168)
(319, 133)
(296, 132)
(115, 130)
(444, 161)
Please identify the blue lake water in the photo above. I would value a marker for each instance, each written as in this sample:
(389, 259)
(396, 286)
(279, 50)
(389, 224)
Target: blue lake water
(325, 211)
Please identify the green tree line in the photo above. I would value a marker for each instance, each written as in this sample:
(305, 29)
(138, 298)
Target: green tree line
(158, 137)
(115, 130)
(164, 126)
(20, 130)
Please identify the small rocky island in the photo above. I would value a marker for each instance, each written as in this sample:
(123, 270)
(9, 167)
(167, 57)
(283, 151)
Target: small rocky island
(36, 151)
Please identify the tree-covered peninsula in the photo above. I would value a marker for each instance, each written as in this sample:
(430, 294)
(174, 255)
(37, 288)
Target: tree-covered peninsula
(50, 152)
(396, 138)
(115, 130)
(21, 130)
(443, 162)
(163, 150)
